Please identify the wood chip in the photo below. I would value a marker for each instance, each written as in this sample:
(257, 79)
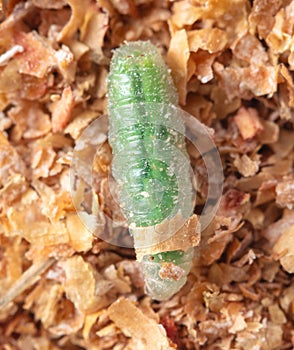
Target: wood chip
(134, 323)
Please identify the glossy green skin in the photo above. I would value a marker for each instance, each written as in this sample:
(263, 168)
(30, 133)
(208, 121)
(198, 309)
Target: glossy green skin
(148, 189)
(139, 77)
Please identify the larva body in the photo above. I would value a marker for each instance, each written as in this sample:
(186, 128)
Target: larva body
(150, 162)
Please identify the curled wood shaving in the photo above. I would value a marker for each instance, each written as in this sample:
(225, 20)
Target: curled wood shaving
(177, 59)
(174, 234)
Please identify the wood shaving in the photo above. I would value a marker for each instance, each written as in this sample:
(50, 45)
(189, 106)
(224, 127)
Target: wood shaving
(62, 286)
(283, 250)
(248, 122)
(135, 324)
(62, 109)
(173, 234)
(171, 271)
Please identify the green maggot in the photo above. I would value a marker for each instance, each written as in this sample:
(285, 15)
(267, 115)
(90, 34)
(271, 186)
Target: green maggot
(150, 162)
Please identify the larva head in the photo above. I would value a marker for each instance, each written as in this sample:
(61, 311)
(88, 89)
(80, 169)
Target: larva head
(138, 73)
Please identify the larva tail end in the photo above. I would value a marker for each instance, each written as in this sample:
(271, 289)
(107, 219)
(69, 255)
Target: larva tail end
(166, 277)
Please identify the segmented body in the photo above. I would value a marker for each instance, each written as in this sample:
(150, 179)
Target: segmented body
(150, 162)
